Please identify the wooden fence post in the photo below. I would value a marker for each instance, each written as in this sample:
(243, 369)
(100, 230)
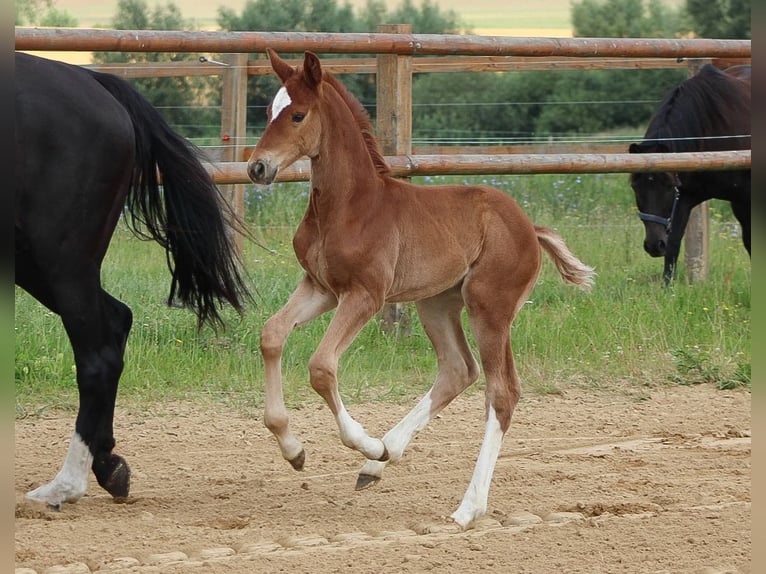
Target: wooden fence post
(696, 237)
(233, 128)
(394, 133)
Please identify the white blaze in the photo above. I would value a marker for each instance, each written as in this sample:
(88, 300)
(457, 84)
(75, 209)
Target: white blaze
(281, 101)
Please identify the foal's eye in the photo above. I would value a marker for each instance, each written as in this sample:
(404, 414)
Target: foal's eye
(298, 117)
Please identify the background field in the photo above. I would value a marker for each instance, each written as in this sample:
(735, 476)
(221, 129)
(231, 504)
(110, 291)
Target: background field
(519, 18)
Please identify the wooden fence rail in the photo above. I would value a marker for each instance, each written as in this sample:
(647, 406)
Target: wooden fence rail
(480, 164)
(87, 40)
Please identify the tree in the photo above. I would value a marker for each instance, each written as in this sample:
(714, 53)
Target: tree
(428, 19)
(720, 18)
(603, 100)
(42, 13)
(626, 19)
(177, 98)
(328, 16)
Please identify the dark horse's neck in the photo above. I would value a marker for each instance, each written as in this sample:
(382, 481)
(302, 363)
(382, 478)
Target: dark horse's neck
(707, 112)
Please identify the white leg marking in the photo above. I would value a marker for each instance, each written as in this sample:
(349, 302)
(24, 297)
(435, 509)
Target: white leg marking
(397, 439)
(71, 482)
(474, 502)
(281, 101)
(353, 435)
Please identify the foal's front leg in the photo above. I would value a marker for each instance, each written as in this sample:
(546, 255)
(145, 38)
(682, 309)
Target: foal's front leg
(306, 303)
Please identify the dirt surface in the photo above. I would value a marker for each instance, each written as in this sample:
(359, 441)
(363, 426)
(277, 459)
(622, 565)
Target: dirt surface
(587, 482)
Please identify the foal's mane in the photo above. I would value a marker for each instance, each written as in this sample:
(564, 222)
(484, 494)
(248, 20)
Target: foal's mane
(707, 99)
(362, 119)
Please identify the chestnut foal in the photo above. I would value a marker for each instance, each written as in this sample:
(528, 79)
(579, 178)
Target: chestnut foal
(367, 239)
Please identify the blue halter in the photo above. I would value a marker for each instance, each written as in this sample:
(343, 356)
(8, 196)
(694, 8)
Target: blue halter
(667, 222)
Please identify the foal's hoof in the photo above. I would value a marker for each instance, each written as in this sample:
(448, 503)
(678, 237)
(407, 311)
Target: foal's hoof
(298, 461)
(365, 481)
(117, 481)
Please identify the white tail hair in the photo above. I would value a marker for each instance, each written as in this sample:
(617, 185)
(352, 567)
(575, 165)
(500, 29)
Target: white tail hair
(572, 270)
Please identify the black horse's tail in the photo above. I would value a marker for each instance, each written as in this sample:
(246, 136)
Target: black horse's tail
(174, 201)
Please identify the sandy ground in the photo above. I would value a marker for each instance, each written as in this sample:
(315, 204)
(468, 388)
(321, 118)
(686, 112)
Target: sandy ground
(587, 482)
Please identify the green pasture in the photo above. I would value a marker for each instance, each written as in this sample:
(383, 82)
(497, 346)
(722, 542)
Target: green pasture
(629, 335)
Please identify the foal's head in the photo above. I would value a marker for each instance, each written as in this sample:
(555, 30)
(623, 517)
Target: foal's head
(294, 125)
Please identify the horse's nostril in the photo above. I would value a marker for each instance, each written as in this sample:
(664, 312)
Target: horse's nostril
(257, 170)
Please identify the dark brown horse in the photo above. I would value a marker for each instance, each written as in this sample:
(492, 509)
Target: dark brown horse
(87, 145)
(708, 112)
(367, 239)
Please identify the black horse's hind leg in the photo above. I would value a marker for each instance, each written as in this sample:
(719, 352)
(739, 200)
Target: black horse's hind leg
(741, 211)
(97, 381)
(97, 325)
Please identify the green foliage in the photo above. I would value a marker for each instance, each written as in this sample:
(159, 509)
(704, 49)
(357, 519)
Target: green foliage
(720, 18)
(42, 13)
(626, 19)
(697, 365)
(187, 103)
(328, 16)
(596, 101)
(288, 16)
(428, 19)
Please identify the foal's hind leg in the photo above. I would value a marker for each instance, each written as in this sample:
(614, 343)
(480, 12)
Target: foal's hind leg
(458, 369)
(491, 310)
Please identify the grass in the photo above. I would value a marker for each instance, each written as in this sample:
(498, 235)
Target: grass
(629, 334)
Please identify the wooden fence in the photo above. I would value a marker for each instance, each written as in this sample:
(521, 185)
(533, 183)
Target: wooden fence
(399, 54)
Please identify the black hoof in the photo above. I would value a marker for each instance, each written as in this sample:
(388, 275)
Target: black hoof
(117, 480)
(298, 461)
(365, 481)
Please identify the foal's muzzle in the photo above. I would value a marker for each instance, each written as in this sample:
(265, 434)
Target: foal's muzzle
(261, 171)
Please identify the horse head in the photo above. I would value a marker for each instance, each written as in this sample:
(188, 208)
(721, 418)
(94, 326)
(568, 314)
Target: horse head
(656, 198)
(294, 125)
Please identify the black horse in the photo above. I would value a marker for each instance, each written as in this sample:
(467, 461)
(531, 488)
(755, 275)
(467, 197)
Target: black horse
(708, 112)
(87, 145)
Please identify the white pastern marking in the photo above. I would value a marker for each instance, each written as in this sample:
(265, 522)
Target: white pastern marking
(474, 502)
(397, 439)
(353, 435)
(71, 482)
(280, 102)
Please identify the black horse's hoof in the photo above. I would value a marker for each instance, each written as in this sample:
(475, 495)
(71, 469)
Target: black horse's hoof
(365, 481)
(298, 461)
(117, 479)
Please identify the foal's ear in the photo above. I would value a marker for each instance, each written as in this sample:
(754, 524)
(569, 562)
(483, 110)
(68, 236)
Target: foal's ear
(282, 69)
(312, 69)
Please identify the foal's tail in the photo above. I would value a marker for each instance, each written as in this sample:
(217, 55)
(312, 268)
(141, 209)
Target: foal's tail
(572, 270)
(184, 212)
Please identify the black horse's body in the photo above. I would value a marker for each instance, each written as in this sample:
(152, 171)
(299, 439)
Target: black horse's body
(708, 112)
(87, 145)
